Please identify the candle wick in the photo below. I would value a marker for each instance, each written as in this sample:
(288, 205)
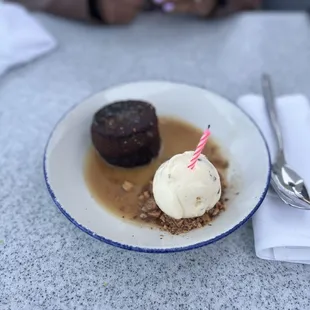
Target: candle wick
(209, 126)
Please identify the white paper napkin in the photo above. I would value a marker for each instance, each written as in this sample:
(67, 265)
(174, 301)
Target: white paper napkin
(281, 232)
(22, 39)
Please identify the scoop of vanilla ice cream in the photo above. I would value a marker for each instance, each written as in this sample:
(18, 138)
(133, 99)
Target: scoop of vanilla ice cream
(181, 192)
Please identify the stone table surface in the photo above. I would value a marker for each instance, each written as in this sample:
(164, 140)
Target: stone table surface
(48, 263)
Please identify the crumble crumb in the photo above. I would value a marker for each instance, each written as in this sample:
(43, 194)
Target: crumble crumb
(150, 212)
(127, 186)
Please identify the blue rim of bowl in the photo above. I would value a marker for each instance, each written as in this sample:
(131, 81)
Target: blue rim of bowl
(157, 250)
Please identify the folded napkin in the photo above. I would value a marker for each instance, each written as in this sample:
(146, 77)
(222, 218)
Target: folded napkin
(22, 39)
(281, 232)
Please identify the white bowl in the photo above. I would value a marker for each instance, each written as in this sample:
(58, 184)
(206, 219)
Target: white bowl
(236, 133)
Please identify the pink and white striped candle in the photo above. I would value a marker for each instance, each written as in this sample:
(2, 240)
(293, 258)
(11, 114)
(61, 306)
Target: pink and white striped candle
(199, 148)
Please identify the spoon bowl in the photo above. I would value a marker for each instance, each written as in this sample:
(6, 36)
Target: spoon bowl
(287, 195)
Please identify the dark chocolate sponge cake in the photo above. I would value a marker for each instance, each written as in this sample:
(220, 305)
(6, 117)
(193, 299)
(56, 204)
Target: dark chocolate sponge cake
(126, 134)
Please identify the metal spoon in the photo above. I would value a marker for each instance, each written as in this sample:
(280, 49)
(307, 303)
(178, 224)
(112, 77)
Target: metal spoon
(289, 186)
(288, 199)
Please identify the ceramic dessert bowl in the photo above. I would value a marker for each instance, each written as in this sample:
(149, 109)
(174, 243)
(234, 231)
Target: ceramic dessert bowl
(242, 143)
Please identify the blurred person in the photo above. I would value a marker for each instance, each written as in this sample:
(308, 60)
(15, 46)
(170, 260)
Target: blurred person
(124, 11)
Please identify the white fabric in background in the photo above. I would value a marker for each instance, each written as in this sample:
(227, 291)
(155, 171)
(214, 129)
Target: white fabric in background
(22, 38)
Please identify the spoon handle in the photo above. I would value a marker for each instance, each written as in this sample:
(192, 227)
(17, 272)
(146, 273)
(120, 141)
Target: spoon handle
(272, 113)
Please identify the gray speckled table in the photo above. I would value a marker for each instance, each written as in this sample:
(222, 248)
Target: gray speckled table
(45, 261)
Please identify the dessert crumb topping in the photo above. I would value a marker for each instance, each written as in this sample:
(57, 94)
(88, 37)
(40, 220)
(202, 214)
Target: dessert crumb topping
(150, 212)
(127, 186)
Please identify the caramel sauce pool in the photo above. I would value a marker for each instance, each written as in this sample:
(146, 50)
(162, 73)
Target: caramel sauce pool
(105, 181)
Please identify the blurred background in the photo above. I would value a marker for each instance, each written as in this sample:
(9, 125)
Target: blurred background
(286, 4)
